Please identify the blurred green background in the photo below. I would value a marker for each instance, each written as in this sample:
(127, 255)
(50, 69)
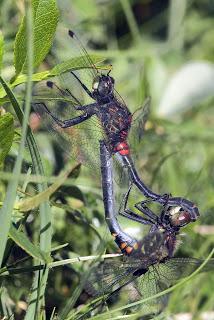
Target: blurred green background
(163, 49)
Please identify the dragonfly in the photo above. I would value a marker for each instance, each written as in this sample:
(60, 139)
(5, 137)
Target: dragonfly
(106, 122)
(171, 219)
(151, 268)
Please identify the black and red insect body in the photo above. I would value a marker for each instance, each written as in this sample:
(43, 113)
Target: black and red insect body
(114, 116)
(169, 223)
(110, 135)
(151, 268)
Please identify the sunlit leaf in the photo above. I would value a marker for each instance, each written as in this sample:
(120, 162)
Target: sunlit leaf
(22, 241)
(1, 48)
(68, 65)
(45, 21)
(6, 135)
(35, 201)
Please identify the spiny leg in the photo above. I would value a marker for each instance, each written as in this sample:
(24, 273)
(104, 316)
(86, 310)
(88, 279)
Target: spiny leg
(124, 201)
(63, 92)
(127, 213)
(145, 210)
(135, 217)
(66, 123)
(82, 85)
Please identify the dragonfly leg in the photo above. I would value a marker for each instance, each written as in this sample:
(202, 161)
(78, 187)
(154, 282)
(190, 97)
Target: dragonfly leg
(66, 123)
(66, 92)
(63, 92)
(145, 210)
(82, 84)
(135, 217)
(123, 211)
(124, 201)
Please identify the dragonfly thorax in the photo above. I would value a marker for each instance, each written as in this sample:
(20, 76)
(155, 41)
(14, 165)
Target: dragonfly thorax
(102, 87)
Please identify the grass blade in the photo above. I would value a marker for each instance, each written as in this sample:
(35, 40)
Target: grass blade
(7, 208)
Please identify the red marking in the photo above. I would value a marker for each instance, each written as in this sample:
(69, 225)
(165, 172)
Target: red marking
(124, 152)
(122, 148)
(123, 134)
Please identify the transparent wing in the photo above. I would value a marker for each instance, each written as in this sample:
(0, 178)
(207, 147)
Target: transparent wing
(88, 66)
(165, 274)
(69, 45)
(80, 141)
(139, 119)
(119, 98)
(147, 286)
(176, 268)
(147, 273)
(71, 89)
(113, 275)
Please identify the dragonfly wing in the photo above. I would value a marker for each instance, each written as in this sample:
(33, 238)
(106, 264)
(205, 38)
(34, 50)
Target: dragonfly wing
(139, 119)
(86, 66)
(80, 141)
(177, 268)
(113, 274)
(110, 275)
(165, 274)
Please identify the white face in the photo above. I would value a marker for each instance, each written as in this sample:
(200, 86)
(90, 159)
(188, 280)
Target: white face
(174, 211)
(95, 85)
(179, 217)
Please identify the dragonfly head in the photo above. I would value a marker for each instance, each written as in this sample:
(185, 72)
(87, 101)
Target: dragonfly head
(103, 86)
(172, 219)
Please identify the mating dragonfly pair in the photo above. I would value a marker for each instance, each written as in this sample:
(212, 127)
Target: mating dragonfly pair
(64, 112)
(106, 123)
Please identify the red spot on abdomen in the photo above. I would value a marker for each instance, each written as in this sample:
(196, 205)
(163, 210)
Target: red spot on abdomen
(122, 148)
(123, 134)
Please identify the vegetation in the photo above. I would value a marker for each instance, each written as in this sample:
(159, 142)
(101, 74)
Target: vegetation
(51, 208)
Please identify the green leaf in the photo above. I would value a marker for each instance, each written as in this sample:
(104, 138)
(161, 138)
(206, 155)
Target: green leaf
(66, 66)
(45, 16)
(7, 208)
(33, 202)
(1, 48)
(6, 135)
(75, 64)
(22, 241)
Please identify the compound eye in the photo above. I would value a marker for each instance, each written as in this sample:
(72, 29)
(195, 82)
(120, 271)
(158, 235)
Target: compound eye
(179, 217)
(184, 218)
